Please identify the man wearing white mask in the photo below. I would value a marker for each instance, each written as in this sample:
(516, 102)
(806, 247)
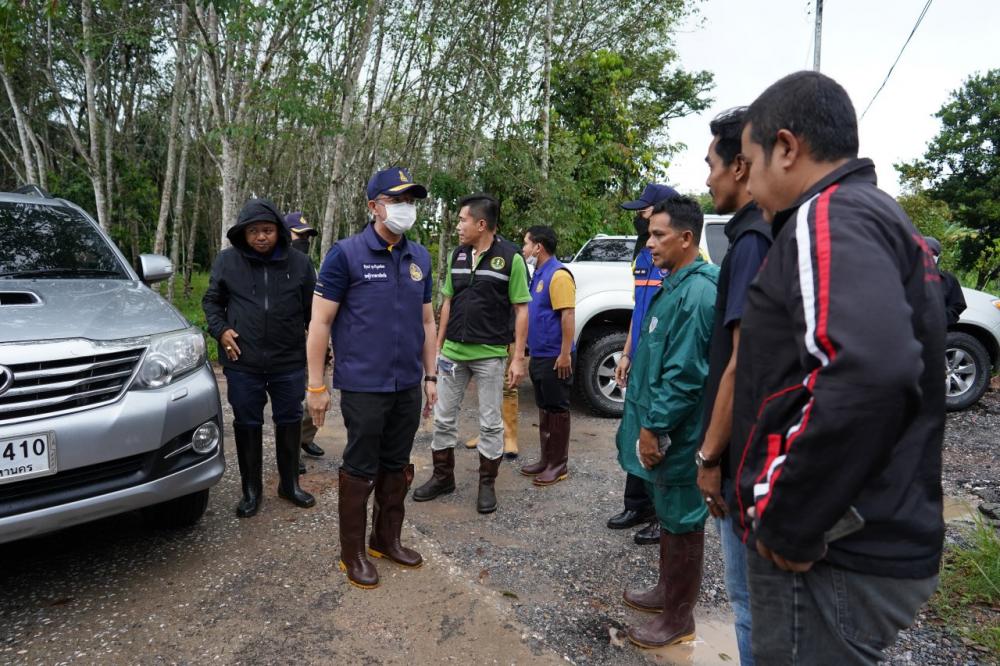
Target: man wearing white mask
(374, 291)
(486, 282)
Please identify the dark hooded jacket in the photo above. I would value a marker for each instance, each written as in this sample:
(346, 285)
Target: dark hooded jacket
(267, 300)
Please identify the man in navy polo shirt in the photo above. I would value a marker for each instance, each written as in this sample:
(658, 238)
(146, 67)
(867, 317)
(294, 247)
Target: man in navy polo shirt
(648, 278)
(374, 290)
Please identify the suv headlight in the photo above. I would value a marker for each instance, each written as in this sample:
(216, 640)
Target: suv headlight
(170, 356)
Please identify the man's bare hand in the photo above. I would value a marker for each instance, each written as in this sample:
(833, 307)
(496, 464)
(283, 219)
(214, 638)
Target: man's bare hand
(430, 397)
(621, 371)
(516, 373)
(563, 366)
(318, 404)
(649, 449)
(779, 561)
(710, 485)
(229, 346)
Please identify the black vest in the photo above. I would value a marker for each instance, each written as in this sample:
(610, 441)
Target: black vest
(480, 304)
(748, 219)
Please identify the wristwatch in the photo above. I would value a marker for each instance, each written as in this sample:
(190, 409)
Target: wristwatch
(705, 463)
(431, 378)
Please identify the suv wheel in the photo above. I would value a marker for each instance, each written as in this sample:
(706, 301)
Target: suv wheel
(596, 375)
(181, 512)
(967, 373)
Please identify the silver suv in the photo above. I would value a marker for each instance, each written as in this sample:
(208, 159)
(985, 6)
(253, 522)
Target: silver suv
(107, 401)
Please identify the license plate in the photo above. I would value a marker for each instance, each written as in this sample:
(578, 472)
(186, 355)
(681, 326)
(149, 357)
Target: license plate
(27, 456)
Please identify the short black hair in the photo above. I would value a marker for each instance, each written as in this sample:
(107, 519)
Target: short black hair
(544, 236)
(685, 215)
(727, 127)
(814, 108)
(483, 207)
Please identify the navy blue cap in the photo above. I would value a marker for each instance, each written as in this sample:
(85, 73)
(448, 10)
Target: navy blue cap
(652, 195)
(394, 181)
(293, 222)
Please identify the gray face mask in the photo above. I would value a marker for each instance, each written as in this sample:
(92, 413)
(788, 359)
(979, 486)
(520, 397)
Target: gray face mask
(532, 261)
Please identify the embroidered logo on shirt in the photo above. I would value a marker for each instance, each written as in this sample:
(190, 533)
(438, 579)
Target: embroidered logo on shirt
(415, 273)
(652, 324)
(461, 256)
(497, 263)
(541, 285)
(374, 272)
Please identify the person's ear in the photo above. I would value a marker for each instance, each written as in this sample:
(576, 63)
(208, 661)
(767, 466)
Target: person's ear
(787, 149)
(740, 168)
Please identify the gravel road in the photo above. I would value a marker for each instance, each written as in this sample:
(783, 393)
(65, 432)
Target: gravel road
(539, 581)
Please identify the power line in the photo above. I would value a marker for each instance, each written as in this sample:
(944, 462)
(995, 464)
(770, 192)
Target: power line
(915, 26)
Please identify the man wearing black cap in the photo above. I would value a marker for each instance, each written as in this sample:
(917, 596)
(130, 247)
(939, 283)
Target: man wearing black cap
(374, 291)
(647, 277)
(954, 299)
(257, 306)
(301, 234)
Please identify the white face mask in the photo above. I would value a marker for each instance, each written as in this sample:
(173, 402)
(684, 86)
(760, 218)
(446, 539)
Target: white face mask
(532, 261)
(399, 217)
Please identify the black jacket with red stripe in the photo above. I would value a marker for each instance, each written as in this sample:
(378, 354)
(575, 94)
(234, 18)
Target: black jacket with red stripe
(840, 387)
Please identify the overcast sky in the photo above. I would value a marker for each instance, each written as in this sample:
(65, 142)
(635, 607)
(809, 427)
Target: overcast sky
(749, 45)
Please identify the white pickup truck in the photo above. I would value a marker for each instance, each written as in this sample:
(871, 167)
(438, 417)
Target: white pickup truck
(604, 301)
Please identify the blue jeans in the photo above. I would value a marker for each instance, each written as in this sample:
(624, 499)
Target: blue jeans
(248, 393)
(828, 615)
(734, 557)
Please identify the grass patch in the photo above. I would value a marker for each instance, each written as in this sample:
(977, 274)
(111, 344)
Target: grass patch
(968, 597)
(190, 307)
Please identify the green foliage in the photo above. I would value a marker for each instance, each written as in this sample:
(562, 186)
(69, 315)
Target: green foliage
(961, 168)
(968, 595)
(190, 306)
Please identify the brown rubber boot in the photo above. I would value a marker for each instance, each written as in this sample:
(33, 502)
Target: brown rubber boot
(387, 517)
(682, 573)
(486, 502)
(558, 450)
(353, 508)
(442, 481)
(509, 412)
(650, 600)
(537, 468)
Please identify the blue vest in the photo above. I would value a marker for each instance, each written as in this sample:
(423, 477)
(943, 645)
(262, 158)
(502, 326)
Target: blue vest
(544, 323)
(648, 279)
(378, 333)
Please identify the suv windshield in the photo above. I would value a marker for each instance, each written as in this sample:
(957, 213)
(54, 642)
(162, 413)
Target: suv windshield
(606, 249)
(53, 242)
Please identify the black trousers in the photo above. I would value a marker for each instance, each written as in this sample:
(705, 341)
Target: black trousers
(636, 497)
(551, 393)
(380, 430)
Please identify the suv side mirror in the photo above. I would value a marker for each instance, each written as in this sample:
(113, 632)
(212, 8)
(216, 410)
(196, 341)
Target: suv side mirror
(154, 268)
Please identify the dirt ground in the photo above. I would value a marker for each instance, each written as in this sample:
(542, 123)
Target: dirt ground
(539, 581)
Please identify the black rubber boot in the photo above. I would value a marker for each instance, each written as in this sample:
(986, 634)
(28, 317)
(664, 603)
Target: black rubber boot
(442, 481)
(486, 502)
(249, 451)
(286, 449)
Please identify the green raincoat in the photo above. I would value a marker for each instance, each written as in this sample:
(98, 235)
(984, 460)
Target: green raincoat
(666, 387)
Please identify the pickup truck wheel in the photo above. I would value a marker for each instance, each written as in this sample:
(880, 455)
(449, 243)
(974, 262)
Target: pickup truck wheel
(596, 375)
(181, 512)
(967, 373)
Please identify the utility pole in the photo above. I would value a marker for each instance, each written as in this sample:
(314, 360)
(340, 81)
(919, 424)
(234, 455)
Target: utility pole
(819, 34)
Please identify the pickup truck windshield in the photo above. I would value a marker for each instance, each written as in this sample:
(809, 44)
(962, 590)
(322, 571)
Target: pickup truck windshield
(606, 249)
(53, 242)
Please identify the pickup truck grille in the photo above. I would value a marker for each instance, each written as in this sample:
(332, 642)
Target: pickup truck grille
(56, 386)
